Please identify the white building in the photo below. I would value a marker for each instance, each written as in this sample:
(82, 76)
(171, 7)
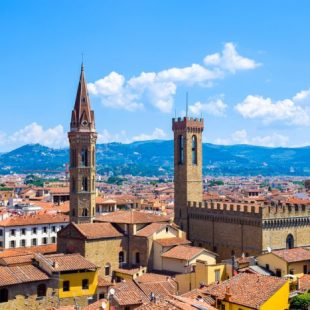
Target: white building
(31, 230)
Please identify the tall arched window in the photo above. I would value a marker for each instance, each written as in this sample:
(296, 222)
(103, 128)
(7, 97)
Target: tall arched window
(85, 212)
(290, 241)
(181, 150)
(84, 184)
(73, 188)
(194, 150)
(121, 257)
(137, 258)
(84, 157)
(41, 290)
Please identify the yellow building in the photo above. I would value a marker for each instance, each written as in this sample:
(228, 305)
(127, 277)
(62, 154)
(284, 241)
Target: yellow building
(75, 275)
(250, 291)
(294, 261)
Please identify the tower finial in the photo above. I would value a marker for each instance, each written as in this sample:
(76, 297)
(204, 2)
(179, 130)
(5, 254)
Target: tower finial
(186, 104)
(82, 66)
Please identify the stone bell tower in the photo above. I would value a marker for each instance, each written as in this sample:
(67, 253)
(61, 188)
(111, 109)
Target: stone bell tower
(187, 166)
(82, 139)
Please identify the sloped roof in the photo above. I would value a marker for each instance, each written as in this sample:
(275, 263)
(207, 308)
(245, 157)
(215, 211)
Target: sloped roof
(97, 230)
(293, 255)
(184, 252)
(20, 274)
(132, 217)
(246, 289)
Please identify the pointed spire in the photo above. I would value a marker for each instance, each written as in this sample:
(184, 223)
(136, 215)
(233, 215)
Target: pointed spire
(82, 115)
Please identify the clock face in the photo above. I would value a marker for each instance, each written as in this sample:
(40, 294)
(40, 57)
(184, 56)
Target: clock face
(84, 123)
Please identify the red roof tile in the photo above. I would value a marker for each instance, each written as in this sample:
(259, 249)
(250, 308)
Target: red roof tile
(293, 255)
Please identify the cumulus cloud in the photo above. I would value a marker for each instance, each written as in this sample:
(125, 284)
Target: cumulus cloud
(105, 136)
(287, 110)
(230, 60)
(242, 137)
(159, 88)
(216, 107)
(54, 137)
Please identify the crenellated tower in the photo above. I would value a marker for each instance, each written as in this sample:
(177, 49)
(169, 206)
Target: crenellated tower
(82, 139)
(187, 166)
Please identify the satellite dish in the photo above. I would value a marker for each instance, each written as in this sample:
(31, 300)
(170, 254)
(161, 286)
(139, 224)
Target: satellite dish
(269, 249)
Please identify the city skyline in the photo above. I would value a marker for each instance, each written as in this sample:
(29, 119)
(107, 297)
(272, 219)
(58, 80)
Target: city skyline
(140, 63)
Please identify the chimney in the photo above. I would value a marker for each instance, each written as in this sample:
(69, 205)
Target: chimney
(228, 294)
(55, 265)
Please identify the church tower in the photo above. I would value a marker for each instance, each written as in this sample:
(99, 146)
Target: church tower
(82, 139)
(187, 166)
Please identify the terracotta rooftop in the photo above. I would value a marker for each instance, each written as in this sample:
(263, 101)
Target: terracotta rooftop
(151, 229)
(304, 283)
(172, 241)
(98, 230)
(64, 262)
(293, 255)
(16, 260)
(132, 217)
(20, 274)
(183, 252)
(44, 249)
(249, 290)
(102, 282)
(128, 293)
(198, 294)
(43, 218)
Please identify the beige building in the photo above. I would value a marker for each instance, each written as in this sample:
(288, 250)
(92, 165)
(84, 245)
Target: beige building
(283, 262)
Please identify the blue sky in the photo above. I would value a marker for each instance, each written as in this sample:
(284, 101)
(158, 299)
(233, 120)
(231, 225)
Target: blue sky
(245, 65)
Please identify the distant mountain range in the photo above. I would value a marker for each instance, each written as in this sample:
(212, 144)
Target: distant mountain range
(155, 157)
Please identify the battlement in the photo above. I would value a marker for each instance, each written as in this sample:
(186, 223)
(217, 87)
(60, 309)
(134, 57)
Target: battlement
(182, 123)
(226, 206)
(266, 209)
(283, 210)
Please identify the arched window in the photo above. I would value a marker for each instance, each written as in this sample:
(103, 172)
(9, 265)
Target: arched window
(41, 290)
(4, 295)
(84, 157)
(137, 258)
(107, 269)
(84, 184)
(194, 150)
(85, 212)
(290, 241)
(73, 188)
(181, 150)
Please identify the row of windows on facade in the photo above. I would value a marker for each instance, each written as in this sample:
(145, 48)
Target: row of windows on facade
(181, 146)
(85, 186)
(23, 242)
(41, 290)
(83, 158)
(34, 230)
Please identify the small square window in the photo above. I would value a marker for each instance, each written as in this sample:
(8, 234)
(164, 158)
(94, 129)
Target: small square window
(45, 229)
(85, 284)
(23, 231)
(66, 286)
(34, 230)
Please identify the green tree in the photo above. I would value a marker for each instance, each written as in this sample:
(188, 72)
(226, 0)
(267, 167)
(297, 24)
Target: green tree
(300, 302)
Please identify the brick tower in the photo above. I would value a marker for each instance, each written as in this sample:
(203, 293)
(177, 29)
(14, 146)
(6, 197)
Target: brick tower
(187, 166)
(82, 139)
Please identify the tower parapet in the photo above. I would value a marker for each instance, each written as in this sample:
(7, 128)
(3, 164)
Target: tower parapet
(188, 123)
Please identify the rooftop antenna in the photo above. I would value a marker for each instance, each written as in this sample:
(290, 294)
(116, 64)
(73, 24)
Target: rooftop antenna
(175, 113)
(186, 104)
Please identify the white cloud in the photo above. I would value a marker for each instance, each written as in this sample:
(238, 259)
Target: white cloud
(156, 134)
(216, 107)
(287, 110)
(230, 60)
(242, 137)
(54, 137)
(159, 88)
(105, 136)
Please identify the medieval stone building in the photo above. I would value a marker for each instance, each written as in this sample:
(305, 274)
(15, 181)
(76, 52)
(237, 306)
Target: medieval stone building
(225, 226)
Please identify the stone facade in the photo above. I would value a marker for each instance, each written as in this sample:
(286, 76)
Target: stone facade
(187, 166)
(223, 226)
